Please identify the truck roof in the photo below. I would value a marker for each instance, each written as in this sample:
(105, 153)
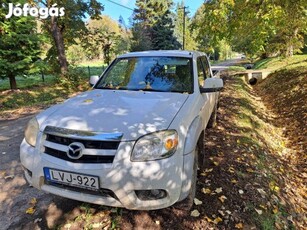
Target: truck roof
(170, 53)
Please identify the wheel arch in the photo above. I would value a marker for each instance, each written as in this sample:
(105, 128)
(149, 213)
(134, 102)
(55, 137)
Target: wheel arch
(194, 137)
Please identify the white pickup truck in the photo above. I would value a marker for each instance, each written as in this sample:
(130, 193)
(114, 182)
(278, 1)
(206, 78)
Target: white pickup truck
(132, 141)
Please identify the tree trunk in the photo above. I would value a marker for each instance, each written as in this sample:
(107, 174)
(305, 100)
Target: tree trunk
(13, 82)
(59, 43)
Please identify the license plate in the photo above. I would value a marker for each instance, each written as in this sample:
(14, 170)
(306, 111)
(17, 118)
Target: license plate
(72, 179)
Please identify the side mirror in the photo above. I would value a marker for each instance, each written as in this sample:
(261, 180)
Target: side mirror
(212, 85)
(93, 80)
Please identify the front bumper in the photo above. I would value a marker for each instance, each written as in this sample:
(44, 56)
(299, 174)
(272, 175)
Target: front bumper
(122, 177)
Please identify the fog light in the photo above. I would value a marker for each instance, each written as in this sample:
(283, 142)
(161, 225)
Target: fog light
(154, 194)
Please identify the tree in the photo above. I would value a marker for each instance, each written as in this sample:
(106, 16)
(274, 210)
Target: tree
(163, 34)
(19, 44)
(211, 22)
(153, 27)
(190, 37)
(64, 30)
(106, 37)
(259, 28)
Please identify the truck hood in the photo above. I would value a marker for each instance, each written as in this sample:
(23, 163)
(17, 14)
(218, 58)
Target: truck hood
(132, 113)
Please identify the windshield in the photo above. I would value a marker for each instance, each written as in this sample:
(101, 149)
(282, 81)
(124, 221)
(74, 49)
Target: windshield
(163, 74)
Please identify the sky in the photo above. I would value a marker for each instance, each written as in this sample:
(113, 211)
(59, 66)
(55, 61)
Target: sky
(115, 11)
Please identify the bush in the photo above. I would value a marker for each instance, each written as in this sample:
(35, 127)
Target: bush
(72, 78)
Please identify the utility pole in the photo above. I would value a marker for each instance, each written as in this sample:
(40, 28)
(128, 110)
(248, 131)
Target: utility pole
(183, 29)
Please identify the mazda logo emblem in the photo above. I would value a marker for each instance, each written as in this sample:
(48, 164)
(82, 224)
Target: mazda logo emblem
(75, 150)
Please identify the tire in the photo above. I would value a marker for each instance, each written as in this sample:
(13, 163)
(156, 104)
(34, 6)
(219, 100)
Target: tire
(187, 203)
(201, 151)
(212, 119)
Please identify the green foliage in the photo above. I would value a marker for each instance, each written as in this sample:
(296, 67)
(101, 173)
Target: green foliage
(190, 36)
(105, 37)
(257, 28)
(72, 78)
(152, 26)
(162, 34)
(19, 44)
(211, 22)
(63, 31)
(102, 40)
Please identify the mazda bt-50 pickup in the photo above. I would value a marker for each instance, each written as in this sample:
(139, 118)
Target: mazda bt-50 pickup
(134, 140)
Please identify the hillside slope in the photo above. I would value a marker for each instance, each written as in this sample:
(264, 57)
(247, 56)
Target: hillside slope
(284, 92)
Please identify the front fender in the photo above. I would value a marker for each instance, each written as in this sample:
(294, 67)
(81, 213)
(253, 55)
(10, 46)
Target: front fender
(193, 134)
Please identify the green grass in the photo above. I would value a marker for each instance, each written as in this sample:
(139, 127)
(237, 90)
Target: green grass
(33, 80)
(92, 70)
(27, 81)
(236, 68)
(279, 62)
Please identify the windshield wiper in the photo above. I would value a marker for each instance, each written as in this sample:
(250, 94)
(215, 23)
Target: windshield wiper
(105, 88)
(153, 90)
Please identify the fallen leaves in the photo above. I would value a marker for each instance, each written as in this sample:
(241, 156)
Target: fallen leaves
(219, 190)
(206, 190)
(206, 172)
(259, 211)
(217, 220)
(275, 209)
(31, 209)
(231, 170)
(33, 201)
(222, 198)
(9, 177)
(195, 213)
(262, 192)
(274, 187)
(250, 170)
(197, 201)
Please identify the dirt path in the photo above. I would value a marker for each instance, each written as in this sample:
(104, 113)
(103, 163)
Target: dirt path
(15, 194)
(241, 185)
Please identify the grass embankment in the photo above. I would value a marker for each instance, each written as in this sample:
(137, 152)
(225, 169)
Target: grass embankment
(280, 63)
(246, 161)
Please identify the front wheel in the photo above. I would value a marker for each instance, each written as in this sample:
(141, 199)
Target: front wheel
(187, 203)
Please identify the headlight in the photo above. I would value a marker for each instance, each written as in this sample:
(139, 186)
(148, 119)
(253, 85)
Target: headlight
(31, 132)
(155, 146)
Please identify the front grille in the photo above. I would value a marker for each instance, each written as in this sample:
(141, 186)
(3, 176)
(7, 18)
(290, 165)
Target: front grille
(99, 146)
(101, 192)
(89, 144)
(84, 159)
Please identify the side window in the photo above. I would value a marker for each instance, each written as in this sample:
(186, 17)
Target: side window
(206, 67)
(200, 72)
